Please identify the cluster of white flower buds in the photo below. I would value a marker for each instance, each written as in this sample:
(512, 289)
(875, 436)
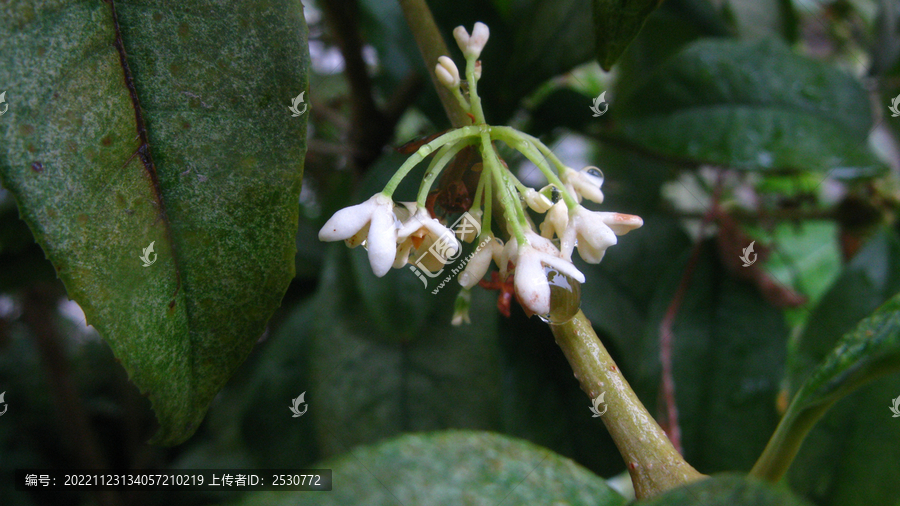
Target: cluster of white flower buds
(393, 232)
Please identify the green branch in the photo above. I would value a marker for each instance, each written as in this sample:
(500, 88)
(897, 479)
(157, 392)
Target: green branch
(652, 461)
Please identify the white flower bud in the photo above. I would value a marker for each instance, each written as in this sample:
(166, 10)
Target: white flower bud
(479, 38)
(447, 73)
(480, 262)
(462, 37)
(536, 201)
(471, 46)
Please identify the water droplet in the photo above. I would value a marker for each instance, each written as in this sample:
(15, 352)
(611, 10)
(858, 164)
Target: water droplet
(565, 297)
(595, 174)
(425, 150)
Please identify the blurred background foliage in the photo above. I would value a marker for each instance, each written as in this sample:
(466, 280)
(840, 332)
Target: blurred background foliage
(729, 122)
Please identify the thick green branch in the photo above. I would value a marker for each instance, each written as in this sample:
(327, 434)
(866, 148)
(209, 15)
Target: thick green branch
(431, 45)
(652, 461)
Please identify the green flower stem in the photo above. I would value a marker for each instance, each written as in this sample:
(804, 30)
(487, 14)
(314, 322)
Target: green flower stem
(474, 99)
(652, 461)
(431, 45)
(492, 164)
(515, 139)
(488, 203)
(459, 98)
(441, 159)
(515, 181)
(479, 190)
(451, 136)
(542, 148)
(785, 442)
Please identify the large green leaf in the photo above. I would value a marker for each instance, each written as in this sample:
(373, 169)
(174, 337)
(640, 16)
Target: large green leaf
(725, 490)
(616, 24)
(728, 352)
(452, 468)
(165, 123)
(370, 385)
(871, 350)
(752, 106)
(848, 459)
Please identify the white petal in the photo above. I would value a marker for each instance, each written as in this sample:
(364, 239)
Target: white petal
(447, 64)
(563, 266)
(347, 222)
(593, 235)
(462, 37)
(479, 38)
(621, 223)
(414, 223)
(567, 241)
(532, 287)
(541, 244)
(403, 250)
(536, 201)
(496, 250)
(477, 266)
(590, 192)
(357, 238)
(381, 242)
(591, 254)
(509, 254)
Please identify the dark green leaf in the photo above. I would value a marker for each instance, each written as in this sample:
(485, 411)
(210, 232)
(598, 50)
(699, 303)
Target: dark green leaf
(371, 385)
(531, 41)
(752, 106)
(198, 155)
(728, 357)
(725, 490)
(449, 469)
(616, 24)
(847, 458)
(870, 279)
(667, 30)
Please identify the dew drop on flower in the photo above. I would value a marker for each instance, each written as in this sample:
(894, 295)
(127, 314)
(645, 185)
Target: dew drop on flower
(565, 297)
(595, 174)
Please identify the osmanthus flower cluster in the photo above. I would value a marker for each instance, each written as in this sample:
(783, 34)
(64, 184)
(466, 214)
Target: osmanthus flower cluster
(537, 261)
